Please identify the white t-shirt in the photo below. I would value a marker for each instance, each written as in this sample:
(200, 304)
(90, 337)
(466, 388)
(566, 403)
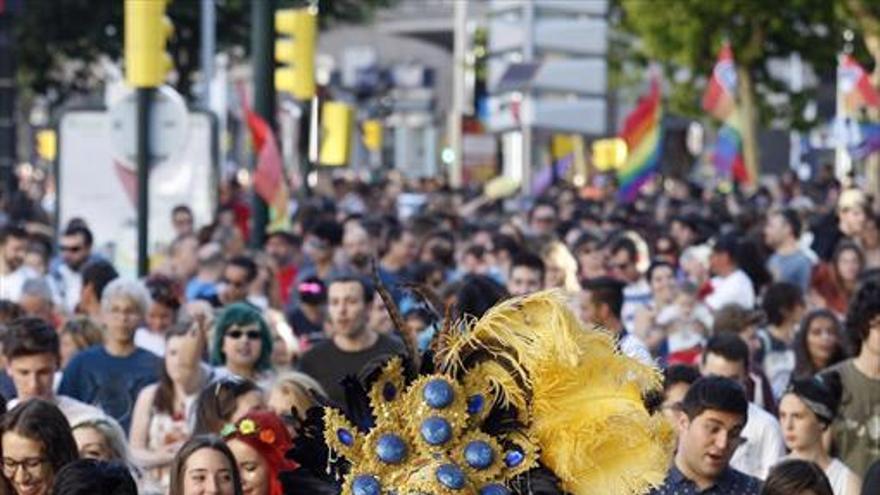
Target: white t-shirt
(636, 295)
(763, 447)
(631, 346)
(151, 341)
(734, 288)
(67, 286)
(842, 478)
(12, 283)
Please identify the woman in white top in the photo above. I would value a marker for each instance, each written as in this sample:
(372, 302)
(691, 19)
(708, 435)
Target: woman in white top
(806, 410)
(160, 424)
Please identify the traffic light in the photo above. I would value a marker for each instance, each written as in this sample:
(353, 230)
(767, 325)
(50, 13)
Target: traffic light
(609, 153)
(372, 134)
(147, 31)
(336, 120)
(47, 144)
(296, 52)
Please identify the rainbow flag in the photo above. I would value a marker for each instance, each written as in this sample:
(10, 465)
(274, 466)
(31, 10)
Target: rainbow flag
(727, 156)
(644, 141)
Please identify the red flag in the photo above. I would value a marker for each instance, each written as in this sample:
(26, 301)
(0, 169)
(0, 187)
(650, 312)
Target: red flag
(718, 99)
(268, 180)
(853, 82)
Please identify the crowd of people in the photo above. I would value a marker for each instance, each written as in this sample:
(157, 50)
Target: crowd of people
(761, 311)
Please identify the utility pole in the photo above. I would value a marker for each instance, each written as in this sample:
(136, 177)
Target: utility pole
(297, 31)
(458, 90)
(207, 48)
(147, 31)
(144, 98)
(263, 64)
(8, 182)
(526, 130)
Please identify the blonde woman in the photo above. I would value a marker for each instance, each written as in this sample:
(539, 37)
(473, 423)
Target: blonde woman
(560, 267)
(295, 391)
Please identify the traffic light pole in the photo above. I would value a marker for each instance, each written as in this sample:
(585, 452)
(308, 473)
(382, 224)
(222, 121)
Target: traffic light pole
(144, 100)
(263, 63)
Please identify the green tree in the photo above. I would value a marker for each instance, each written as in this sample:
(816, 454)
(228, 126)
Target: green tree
(59, 40)
(685, 36)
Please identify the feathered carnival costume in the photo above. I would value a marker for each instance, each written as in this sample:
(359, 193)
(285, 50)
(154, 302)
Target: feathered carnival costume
(524, 400)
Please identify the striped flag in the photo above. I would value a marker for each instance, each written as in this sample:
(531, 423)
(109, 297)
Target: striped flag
(719, 98)
(644, 138)
(855, 86)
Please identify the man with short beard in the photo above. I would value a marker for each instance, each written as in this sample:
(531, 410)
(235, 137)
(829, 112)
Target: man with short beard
(66, 276)
(283, 247)
(13, 271)
(357, 248)
(710, 423)
(353, 344)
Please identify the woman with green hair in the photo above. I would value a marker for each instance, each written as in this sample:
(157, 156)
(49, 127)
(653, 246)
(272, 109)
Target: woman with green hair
(242, 343)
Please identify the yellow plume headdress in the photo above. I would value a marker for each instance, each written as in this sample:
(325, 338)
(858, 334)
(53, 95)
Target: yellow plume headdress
(574, 402)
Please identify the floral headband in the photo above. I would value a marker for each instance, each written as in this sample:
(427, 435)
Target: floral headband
(265, 432)
(247, 427)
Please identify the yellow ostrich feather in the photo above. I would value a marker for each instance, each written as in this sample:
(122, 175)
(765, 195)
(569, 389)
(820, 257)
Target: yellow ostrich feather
(584, 398)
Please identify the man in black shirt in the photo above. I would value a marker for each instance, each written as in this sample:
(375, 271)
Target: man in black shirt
(352, 344)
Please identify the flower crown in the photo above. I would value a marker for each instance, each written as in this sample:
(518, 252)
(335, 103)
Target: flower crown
(249, 427)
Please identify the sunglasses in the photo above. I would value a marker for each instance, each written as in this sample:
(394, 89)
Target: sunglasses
(237, 334)
(234, 283)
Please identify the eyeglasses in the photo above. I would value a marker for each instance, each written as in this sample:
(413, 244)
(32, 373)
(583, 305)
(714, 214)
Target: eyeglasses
(237, 334)
(31, 465)
(71, 249)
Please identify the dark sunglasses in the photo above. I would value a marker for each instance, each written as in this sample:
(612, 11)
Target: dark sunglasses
(234, 283)
(237, 334)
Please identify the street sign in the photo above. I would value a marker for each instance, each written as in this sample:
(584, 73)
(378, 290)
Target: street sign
(99, 185)
(169, 123)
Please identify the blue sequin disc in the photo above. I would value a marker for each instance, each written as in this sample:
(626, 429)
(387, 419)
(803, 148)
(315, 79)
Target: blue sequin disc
(438, 393)
(450, 476)
(479, 455)
(366, 484)
(345, 437)
(475, 404)
(494, 489)
(391, 449)
(436, 430)
(389, 392)
(514, 458)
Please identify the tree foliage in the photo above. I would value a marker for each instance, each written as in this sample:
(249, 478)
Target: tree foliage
(58, 41)
(684, 35)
